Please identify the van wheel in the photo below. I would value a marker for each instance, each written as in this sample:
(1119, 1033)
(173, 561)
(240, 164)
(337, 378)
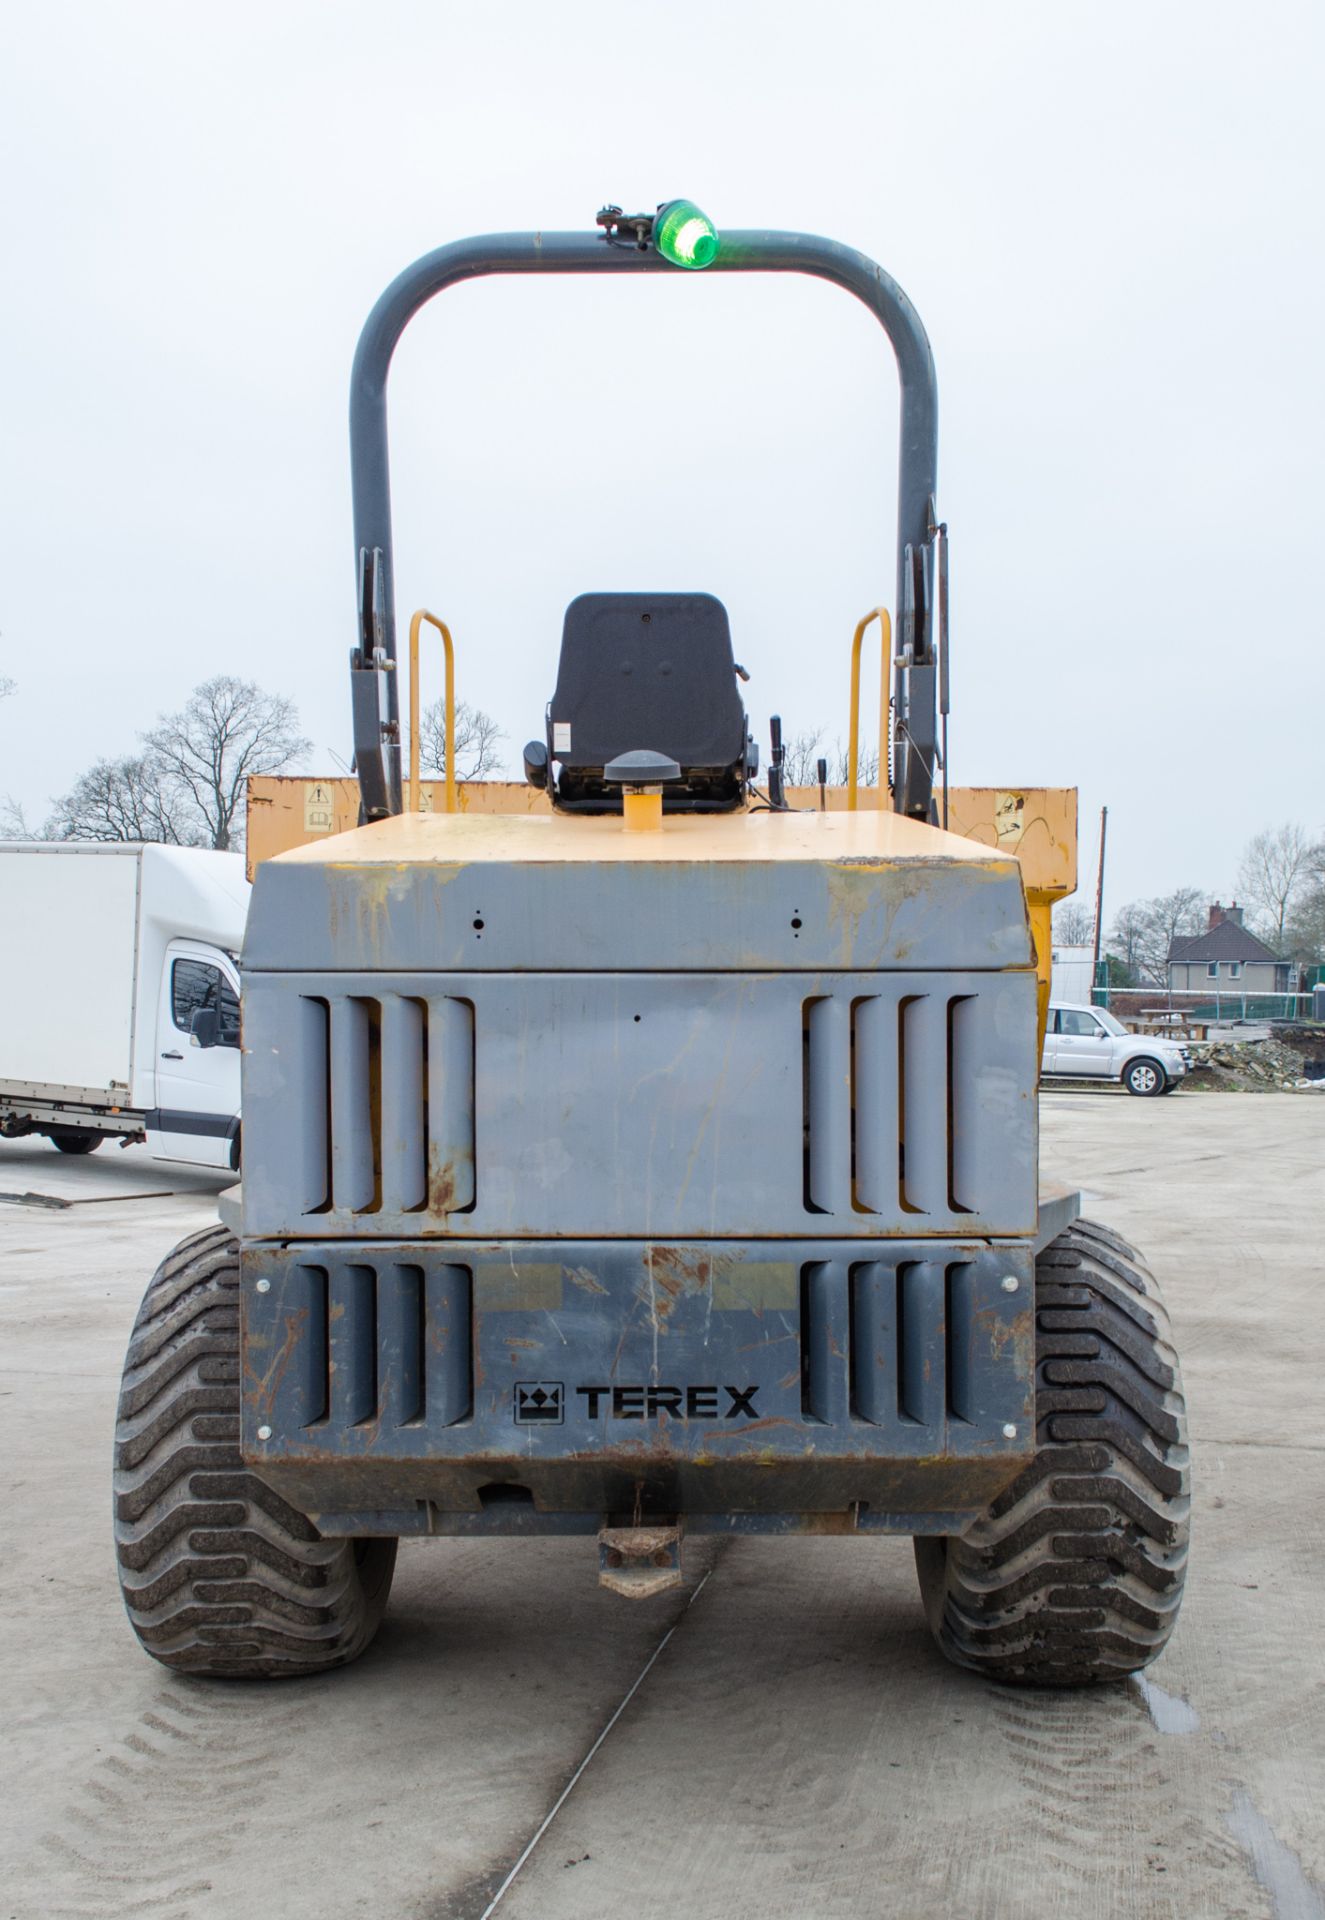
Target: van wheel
(219, 1575)
(1145, 1077)
(74, 1140)
(1075, 1572)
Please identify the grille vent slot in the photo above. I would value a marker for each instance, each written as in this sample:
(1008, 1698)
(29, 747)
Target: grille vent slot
(887, 1344)
(889, 1104)
(391, 1072)
(382, 1344)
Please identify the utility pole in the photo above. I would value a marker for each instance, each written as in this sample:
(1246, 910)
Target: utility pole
(1099, 903)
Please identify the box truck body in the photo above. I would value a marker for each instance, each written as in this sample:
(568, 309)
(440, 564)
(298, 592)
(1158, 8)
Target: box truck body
(109, 953)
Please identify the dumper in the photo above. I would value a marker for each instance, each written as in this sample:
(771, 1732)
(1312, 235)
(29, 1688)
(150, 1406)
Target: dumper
(656, 1157)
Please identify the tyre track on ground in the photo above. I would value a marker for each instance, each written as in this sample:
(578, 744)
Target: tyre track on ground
(130, 1840)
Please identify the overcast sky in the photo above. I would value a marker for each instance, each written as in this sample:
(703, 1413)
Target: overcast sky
(1108, 216)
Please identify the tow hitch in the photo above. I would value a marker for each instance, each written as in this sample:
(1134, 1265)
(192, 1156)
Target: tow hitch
(638, 1562)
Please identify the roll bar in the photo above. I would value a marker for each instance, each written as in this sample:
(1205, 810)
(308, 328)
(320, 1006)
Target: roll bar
(376, 706)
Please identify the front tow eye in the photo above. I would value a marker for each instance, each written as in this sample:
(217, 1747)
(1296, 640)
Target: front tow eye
(638, 1562)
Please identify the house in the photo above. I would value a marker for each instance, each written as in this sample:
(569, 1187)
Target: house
(1226, 956)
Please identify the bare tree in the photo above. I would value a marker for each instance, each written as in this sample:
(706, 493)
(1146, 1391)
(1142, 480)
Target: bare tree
(476, 741)
(1303, 936)
(1173, 916)
(1144, 932)
(799, 756)
(1128, 935)
(225, 731)
(804, 752)
(6, 686)
(132, 799)
(1277, 866)
(14, 822)
(1074, 924)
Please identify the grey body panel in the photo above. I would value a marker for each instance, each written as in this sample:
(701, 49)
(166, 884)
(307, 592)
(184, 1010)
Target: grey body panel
(617, 915)
(599, 1376)
(1059, 1206)
(710, 1105)
(748, 1121)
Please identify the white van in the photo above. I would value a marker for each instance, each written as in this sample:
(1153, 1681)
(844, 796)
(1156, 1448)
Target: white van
(119, 996)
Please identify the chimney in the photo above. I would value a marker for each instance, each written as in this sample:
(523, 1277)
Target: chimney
(1232, 914)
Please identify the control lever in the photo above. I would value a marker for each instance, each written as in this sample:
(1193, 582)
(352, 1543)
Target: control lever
(777, 755)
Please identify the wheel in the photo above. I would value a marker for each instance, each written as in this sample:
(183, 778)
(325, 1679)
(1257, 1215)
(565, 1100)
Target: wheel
(219, 1575)
(1075, 1572)
(1144, 1077)
(74, 1140)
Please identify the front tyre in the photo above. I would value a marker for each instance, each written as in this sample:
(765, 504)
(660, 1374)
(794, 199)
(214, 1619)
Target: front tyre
(1075, 1572)
(219, 1576)
(1145, 1077)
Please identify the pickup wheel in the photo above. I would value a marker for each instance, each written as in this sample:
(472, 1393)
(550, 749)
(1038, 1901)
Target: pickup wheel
(219, 1576)
(1075, 1572)
(75, 1140)
(1145, 1077)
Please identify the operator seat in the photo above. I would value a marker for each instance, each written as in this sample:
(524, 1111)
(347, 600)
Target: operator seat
(645, 671)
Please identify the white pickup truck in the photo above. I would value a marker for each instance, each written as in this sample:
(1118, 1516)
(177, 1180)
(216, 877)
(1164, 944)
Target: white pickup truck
(1088, 1043)
(119, 997)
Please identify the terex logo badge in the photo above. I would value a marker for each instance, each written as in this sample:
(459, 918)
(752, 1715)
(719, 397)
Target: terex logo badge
(683, 1403)
(539, 1403)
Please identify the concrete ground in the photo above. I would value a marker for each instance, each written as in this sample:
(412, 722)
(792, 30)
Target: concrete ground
(796, 1747)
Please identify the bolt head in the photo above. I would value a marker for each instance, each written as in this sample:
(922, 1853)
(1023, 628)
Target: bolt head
(1009, 1432)
(264, 1433)
(264, 1286)
(1010, 1283)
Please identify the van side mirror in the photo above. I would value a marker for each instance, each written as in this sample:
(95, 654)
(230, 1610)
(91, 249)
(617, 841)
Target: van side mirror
(203, 1027)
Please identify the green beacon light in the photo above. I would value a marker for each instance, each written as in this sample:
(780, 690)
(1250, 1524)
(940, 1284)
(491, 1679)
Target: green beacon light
(684, 235)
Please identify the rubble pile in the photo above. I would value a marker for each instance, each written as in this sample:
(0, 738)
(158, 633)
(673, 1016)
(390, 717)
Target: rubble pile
(1249, 1066)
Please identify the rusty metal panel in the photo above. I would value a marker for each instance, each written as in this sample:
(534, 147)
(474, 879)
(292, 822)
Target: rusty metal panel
(451, 1093)
(367, 1102)
(344, 1347)
(286, 810)
(568, 1377)
(683, 1104)
(1038, 825)
(747, 892)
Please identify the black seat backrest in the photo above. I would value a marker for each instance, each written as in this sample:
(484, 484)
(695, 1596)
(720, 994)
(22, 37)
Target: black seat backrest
(647, 670)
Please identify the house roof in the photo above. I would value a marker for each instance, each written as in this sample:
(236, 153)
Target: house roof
(1227, 941)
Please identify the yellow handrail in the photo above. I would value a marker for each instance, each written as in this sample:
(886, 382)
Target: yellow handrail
(442, 628)
(885, 661)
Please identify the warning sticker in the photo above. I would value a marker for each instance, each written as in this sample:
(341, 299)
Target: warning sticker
(319, 807)
(1009, 818)
(561, 736)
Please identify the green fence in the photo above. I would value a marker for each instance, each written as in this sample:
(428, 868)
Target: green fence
(1131, 1003)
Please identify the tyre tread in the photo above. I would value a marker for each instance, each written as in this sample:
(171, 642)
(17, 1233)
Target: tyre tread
(219, 1575)
(1075, 1572)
